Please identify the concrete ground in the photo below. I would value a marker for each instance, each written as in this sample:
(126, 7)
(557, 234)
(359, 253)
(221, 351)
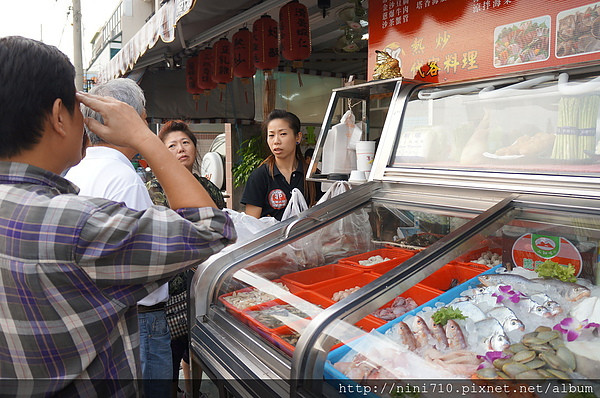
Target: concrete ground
(207, 388)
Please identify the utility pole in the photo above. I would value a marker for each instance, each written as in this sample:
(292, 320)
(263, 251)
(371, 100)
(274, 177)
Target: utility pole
(77, 45)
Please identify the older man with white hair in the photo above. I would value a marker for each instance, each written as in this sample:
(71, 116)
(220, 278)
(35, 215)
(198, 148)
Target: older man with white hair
(106, 171)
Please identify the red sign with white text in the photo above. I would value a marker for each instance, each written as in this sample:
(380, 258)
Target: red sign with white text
(452, 40)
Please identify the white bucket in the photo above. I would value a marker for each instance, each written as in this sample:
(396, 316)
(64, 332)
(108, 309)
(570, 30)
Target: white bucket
(365, 152)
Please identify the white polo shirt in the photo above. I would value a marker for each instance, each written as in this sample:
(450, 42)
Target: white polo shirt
(107, 173)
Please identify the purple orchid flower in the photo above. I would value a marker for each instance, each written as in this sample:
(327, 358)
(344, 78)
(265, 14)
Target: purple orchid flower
(489, 358)
(572, 327)
(507, 293)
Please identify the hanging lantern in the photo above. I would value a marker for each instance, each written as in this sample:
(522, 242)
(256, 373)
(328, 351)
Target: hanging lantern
(266, 43)
(206, 65)
(295, 32)
(223, 70)
(191, 76)
(243, 65)
(191, 79)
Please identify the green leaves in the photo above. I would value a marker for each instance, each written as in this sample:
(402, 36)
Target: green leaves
(251, 157)
(550, 269)
(443, 315)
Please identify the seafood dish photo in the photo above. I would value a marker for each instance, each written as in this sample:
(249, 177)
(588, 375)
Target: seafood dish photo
(578, 31)
(522, 42)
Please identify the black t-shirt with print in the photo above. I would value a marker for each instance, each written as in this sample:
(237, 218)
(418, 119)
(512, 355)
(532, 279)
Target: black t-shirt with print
(272, 194)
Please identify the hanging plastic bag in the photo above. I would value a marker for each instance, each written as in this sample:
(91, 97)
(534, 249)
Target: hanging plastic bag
(350, 234)
(296, 205)
(339, 149)
(335, 189)
(247, 226)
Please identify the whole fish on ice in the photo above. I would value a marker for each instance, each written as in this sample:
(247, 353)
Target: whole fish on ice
(454, 334)
(492, 334)
(507, 319)
(570, 291)
(544, 300)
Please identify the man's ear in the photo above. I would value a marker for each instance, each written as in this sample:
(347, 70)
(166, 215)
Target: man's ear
(57, 117)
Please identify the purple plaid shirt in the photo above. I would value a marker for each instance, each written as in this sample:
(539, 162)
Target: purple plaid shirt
(71, 272)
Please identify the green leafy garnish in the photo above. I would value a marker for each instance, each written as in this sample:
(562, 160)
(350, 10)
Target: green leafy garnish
(443, 315)
(550, 269)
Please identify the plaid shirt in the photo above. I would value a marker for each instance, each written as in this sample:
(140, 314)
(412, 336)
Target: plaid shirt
(71, 272)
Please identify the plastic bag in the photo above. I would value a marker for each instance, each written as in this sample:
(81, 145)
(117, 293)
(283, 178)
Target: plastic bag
(247, 226)
(351, 234)
(295, 206)
(339, 149)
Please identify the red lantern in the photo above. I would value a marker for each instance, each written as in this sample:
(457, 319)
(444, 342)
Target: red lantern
(206, 65)
(191, 76)
(223, 71)
(243, 66)
(295, 31)
(266, 43)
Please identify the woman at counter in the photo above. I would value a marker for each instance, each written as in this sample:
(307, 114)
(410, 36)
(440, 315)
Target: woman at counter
(180, 140)
(269, 187)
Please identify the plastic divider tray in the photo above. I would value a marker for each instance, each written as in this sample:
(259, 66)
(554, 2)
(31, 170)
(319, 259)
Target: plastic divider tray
(335, 377)
(468, 258)
(366, 324)
(396, 256)
(443, 278)
(319, 276)
(237, 312)
(419, 292)
(327, 290)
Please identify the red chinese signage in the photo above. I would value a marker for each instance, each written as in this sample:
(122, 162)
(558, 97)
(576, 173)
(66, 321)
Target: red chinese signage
(451, 40)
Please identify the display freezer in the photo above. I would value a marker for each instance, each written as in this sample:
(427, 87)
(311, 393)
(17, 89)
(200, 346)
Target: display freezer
(469, 179)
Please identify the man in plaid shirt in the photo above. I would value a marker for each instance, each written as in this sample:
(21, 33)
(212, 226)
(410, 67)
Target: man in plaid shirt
(73, 268)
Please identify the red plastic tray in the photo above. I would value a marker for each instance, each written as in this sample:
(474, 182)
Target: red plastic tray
(442, 278)
(419, 292)
(319, 276)
(328, 289)
(466, 259)
(366, 324)
(238, 312)
(396, 256)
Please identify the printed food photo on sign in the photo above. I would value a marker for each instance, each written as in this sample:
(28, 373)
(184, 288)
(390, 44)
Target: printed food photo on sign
(578, 31)
(522, 42)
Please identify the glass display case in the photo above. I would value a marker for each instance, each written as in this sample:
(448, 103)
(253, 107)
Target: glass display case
(451, 217)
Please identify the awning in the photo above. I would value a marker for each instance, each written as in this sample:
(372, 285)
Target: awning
(160, 26)
(184, 25)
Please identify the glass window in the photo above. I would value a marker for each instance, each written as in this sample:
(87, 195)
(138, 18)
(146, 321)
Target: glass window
(278, 294)
(538, 126)
(537, 301)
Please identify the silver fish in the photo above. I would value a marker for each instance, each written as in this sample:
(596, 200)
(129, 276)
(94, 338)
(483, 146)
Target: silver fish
(546, 301)
(480, 296)
(493, 334)
(535, 308)
(469, 310)
(507, 319)
(517, 282)
(568, 290)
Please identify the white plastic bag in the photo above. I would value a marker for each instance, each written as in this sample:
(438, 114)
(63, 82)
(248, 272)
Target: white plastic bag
(247, 226)
(335, 189)
(350, 234)
(295, 206)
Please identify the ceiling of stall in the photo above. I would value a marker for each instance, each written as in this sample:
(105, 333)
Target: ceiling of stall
(210, 20)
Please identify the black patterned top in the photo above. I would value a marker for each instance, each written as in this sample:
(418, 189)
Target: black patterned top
(157, 194)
